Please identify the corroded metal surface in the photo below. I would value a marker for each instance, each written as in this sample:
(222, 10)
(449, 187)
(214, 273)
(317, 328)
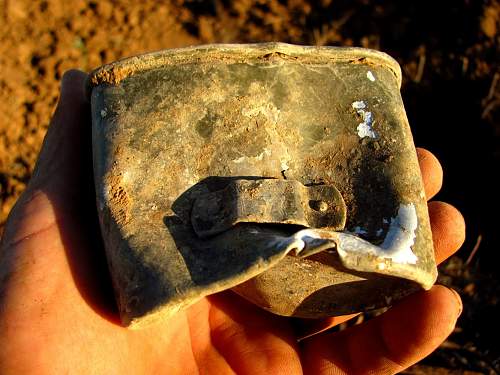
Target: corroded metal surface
(173, 126)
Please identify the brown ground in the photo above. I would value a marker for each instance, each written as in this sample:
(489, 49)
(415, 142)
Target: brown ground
(448, 50)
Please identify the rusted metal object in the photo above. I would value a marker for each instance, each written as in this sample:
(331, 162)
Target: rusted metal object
(286, 173)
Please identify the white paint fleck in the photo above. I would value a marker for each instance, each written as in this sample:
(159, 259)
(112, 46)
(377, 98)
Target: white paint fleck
(370, 76)
(397, 243)
(401, 235)
(358, 104)
(306, 242)
(284, 166)
(104, 112)
(365, 128)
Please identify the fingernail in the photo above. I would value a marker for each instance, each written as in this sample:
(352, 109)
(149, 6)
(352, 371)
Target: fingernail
(75, 81)
(64, 83)
(459, 301)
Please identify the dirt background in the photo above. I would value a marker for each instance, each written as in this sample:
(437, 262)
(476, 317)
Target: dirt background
(449, 52)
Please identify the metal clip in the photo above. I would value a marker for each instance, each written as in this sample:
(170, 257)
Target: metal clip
(268, 201)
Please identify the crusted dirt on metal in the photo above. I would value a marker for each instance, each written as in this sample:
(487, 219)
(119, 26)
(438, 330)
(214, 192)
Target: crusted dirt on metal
(115, 72)
(119, 201)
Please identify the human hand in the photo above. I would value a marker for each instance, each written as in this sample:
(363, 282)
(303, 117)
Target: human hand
(57, 312)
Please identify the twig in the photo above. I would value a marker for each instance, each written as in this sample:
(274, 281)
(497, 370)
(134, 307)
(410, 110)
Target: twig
(474, 250)
(321, 37)
(420, 68)
(493, 86)
(490, 107)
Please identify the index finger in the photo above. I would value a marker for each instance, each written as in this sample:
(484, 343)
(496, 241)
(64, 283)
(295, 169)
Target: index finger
(432, 172)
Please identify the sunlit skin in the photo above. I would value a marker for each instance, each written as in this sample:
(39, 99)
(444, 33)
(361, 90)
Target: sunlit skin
(57, 313)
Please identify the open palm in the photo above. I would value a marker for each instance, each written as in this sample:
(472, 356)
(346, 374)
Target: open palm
(56, 308)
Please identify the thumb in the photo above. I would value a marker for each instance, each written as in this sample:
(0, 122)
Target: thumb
(66, 147)
(55, 219)
(63, 165)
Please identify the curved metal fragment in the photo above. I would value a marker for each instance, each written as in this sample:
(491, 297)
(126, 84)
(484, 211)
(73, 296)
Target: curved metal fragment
(393, 257)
